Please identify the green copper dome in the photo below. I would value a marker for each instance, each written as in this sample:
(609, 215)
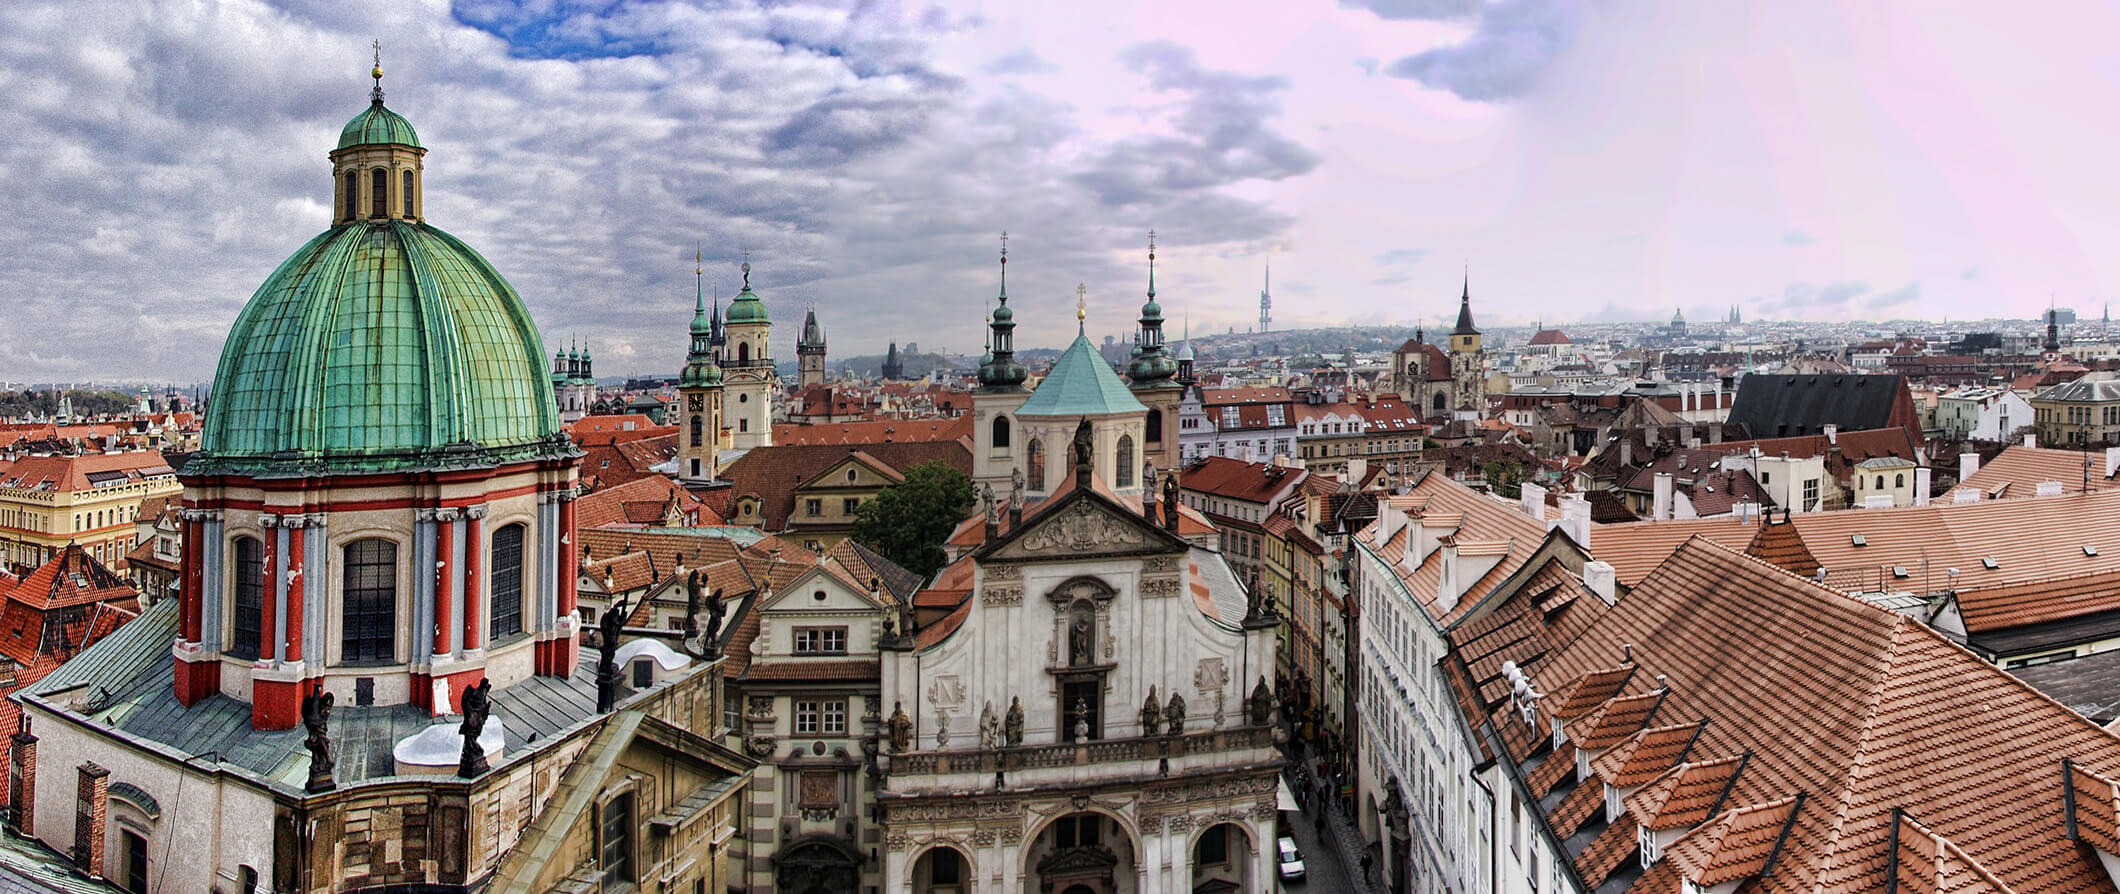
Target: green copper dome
(1080, 384)
(376, 124)
(380, 345)
(747, 308)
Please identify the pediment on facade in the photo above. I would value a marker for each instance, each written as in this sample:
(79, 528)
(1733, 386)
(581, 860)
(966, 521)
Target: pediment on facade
(1083, 523)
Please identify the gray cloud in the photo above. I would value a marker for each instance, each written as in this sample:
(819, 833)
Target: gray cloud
(1020, 61)
(1797, 237)
(1401, 256)
(1503, 57)
(163, 160)
(1972, 272)
(1416, 9)
(1838, 300)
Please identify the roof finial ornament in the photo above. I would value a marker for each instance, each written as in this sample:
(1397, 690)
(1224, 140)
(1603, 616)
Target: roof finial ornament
(1151, 263)
(1081, 306)
(699, 273)
(746, 269)
(376, 95)
(1004, 270)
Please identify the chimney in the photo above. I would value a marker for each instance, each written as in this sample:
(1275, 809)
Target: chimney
(1534, 502)
(91, 812)
(1626, 451)
(1921, 486)
(1715, 430)
(1357, 469)
(1832, 434)
(1603, 580)
(1446, 587)
(2112, 461)
(1660, 505)
(22, 770)
(1968, 463)
(1575, 519)
(1965, 495)
(2031, 439)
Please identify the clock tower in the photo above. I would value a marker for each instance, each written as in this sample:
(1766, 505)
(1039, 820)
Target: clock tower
(747, 361)
(699, 392)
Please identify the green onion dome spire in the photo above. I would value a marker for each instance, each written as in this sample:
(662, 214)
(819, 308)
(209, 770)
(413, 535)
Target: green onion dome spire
(999, 371)
(747, 308)
(700, 368)
(384, 344)
(1151, 366)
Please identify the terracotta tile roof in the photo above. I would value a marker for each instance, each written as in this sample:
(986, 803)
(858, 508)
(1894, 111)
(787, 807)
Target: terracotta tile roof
(941, 630)
(2001, 607)
(2095, 798)
(822, 670)
(1924, 862)
(865, 563)
(1478, 518)
(878, 432)
(1586, 798)
(605, 465)
(773, 473)
(617, 429)
(742, 634)
(1779, 545)
(1865, 710)
(1740, 844)
(1615, 720)
(1230, 479)
(1591, 690)
(1612, 847)
(698, 550)
(74, 473)
(73, 577)
(1686, 795)
(2020, 469)
(1645, 755)
(1635, 548)
(1559, 767)
(647, 497)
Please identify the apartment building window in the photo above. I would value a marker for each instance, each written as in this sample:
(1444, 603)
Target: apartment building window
(825, 717)
(1231, 417)
(1277, 416)
(813, 507)
(1810, 493)
(820, 640)
(850, 504)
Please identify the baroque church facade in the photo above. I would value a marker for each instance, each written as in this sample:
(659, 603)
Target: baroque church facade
(373, 675)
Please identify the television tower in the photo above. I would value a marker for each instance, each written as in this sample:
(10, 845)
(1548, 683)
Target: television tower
(1266, 301)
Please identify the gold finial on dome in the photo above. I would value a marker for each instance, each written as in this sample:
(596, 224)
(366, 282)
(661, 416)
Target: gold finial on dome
(377, 72)
(1081, 304)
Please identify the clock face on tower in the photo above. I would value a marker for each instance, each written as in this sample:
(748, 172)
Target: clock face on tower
(695, 402)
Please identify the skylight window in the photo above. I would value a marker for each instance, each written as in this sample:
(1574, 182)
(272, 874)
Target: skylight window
(2090, 550)
(1989, 563)
(1899, 571)
(1857, 540)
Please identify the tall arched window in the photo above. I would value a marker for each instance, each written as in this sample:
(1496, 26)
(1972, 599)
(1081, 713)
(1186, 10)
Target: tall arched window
(1155, 427)
(250, 597)
(743, 353)
(1880, 482)
(507, 601)
(1034, 465)
(1000, 432)
(408, 194)
(699, 430)
(1899, 480)
(379, 202)
(353, 194)
(1125, 457)
(370, 594)
(1439, 401)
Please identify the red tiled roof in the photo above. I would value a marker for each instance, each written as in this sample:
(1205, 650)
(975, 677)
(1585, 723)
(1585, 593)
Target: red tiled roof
(643, 500)
(1645, 755)
(1685, 795)
(877, 432)
(2033, 602)
(774, 473)
(1738, 845)
(74, 473)
(617, 429)
(2019, 470)
(822, 670)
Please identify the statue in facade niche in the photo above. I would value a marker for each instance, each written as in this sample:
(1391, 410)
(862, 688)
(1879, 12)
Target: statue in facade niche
(1012, 726)
(901, 728)
(1174, 715)
(989, 727)
(1151, 714)
(1015, 489)
(1084, 444)
(986, 499)
(1261, 707)
(1170, 501)
(1081, 719)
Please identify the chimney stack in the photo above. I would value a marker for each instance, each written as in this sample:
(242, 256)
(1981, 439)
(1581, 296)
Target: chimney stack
(1968, 464)
(1603, 580)
(1832, 434)
(1660, 505)
(1921, 486)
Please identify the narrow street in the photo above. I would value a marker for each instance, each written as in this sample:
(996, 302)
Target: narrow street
(1332, 849)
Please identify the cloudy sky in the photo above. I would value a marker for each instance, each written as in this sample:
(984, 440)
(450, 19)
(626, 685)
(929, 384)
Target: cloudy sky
(1589, 159)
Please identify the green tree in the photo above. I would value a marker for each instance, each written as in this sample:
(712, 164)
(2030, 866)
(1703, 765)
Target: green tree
(1504, 479)
(908, 522)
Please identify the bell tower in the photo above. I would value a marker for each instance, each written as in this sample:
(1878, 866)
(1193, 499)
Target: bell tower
(1468, 361)
(699, 392)
(747, 368)
(997, 448)
(1150, 375)
(809, 352)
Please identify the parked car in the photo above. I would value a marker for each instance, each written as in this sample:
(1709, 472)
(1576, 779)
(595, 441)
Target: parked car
(1291, 861)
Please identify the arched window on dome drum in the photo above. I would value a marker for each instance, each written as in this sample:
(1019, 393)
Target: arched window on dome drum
(1000, 432)
(250, 597)
(1125, 458)
(370, 594)
(699, 430)
(743, 353)
(408, 194)
(1034, 465)
(507, 600)
(379, 201)
(1155, 427)
(353, 194)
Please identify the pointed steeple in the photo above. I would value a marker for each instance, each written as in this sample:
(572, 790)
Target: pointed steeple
(700, 367)
(1464, 320)
(1151, 366)
(1001, 372)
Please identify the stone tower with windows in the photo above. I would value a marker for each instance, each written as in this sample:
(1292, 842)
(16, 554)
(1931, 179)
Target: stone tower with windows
(809, 353)
(997, 450)
(699, 393)
(1150, 374)
(1468, 360)
(747, 368)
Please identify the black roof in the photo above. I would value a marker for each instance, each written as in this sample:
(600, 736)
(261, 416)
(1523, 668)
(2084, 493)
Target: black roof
(1785, 406)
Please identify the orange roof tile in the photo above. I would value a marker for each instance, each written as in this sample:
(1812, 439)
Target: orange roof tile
(1645, 755)
(1741, 844)
(1685, 795)
(2019, 470)
(2016, 604)
(1615, 720)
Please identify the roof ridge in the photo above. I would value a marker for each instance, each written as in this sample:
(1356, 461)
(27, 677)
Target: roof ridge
(1844, 788)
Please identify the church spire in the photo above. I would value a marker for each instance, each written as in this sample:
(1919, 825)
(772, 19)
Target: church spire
(1464, 320)
(1000, 371)
(1151, 366)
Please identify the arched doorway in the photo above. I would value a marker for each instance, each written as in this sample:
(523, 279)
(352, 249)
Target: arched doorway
(1081, 853)
(817, 866)
(942, 870)
(1222, 859)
